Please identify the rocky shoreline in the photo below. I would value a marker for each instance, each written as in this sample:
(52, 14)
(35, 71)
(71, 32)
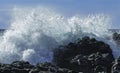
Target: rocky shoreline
(26, 67)
(86, 55)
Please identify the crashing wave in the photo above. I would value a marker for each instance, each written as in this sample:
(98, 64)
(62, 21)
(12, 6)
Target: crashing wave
(35, 32)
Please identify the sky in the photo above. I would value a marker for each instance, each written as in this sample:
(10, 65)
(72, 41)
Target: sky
(66, 7)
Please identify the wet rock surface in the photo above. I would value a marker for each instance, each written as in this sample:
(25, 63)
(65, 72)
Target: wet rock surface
(26, 67)
(116, 38)
(116, 66)
(86, 55)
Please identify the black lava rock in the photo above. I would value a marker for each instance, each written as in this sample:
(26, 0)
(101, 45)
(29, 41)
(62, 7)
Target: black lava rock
(87, 55)
(116, 66)
(116, 38)
(21, 64)
(26, 67)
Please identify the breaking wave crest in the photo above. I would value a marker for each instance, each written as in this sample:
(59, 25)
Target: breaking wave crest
(35, 32)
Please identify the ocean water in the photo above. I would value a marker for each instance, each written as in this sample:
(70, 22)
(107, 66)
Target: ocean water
(35, 32)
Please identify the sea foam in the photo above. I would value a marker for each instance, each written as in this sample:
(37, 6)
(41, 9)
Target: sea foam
(35, 32)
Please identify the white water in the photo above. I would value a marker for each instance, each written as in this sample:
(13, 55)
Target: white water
(35, 32)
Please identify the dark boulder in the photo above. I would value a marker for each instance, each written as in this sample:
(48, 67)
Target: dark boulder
(21, 64)
(116, 66)
(87, 55)
(26, 67)
(116, 38)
